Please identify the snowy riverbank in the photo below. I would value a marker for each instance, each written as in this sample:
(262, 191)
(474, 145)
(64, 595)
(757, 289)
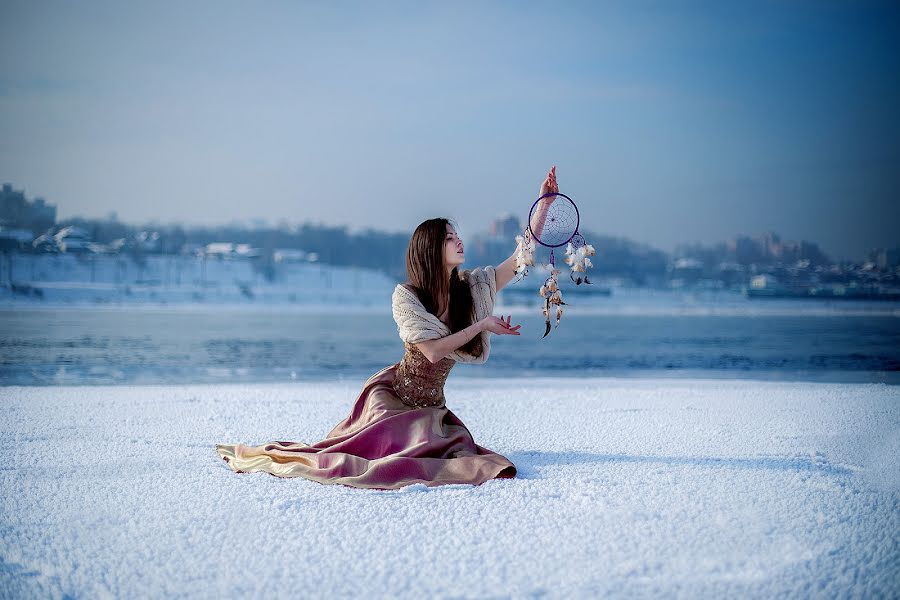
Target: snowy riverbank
(189, 283)
(626, 487)
(91, 280)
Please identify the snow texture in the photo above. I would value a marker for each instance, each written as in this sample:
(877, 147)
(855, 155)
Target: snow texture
(680, 488)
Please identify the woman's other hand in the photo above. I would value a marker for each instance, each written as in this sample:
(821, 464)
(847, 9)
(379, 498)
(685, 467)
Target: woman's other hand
(499, 326)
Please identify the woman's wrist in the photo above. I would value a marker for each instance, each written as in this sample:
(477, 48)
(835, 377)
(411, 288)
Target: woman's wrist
(479, 326)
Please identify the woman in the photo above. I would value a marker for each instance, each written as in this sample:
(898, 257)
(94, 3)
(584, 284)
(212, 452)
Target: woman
(400, 431)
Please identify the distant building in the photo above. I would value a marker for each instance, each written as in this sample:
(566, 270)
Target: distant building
(289, 255)
(219, 249)
(686, 269)
(764, 281)
(745, 250)
(506, 227)
(43, 212)
(770, 248)
(688, 263)
(73, 239)
(884, 259)
(230, 250)
(17, 212)
(147, 241)
(730, 266)
(14, 239)
(45, 244)
(245, 251)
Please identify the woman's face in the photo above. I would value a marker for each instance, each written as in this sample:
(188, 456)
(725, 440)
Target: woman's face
(453, 248)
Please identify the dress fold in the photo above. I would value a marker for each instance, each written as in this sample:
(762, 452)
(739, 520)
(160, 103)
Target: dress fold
(384, 443)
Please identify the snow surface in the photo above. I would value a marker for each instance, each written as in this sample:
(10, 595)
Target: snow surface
(681, 488)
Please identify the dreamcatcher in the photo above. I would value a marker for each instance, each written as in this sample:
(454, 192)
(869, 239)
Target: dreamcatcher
(553, 222)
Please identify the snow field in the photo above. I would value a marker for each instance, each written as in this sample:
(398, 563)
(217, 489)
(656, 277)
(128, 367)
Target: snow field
(682, 488)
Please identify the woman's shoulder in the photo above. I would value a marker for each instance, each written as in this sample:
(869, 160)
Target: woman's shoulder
(399, 290)
(478, 274)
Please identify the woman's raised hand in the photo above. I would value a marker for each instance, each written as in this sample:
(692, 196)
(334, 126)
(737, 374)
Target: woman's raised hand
(540, 214)
(550, 184)
(499, 326)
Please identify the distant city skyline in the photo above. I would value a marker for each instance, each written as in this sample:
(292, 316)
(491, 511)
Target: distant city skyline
(506, 226)
(669, 124)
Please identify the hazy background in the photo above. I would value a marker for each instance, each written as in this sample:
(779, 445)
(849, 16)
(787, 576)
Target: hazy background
(669, 122)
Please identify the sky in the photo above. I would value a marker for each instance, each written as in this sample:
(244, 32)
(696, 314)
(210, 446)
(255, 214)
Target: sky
(669, 122)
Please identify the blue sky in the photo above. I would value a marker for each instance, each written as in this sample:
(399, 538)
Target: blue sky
(668, 122)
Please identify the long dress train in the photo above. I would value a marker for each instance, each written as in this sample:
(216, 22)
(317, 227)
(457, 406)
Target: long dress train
(399, 432)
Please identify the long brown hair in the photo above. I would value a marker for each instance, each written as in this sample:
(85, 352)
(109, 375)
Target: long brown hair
(427, 275)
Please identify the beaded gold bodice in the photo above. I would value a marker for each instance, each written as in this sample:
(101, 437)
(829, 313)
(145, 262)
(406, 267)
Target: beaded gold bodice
(419, 382)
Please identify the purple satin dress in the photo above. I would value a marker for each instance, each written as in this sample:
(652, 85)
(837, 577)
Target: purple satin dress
(399, 432)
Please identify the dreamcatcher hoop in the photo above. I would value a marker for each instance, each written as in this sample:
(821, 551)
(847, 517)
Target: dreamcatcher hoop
(553, 219)
(574, 237)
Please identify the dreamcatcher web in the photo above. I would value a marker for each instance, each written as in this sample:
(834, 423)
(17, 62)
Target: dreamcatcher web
(555, 225)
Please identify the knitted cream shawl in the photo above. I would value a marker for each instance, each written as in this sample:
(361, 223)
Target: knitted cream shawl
(415, 324)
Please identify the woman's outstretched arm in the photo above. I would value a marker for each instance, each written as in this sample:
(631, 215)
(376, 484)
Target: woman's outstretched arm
(435, 350)
(507, 269)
